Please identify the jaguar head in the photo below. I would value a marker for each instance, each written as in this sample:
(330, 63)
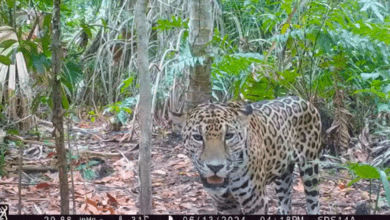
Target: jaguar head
(215, 136)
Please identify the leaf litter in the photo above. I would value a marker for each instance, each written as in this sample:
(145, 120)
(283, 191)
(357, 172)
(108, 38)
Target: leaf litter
(177, 188)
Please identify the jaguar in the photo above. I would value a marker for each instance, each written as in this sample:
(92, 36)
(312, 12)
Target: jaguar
(238, 148)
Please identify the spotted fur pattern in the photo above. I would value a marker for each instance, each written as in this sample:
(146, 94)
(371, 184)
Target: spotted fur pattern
(240, 148)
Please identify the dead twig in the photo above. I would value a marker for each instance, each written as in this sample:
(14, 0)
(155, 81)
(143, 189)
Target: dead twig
(100, 154)
(13, 137)
(132, 125)
(20, 178)
(90, 133)
(71, 166)
(30, 169)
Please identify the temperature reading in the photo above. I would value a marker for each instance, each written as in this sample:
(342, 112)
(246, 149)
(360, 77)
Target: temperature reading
(145, 217)
(67, 218)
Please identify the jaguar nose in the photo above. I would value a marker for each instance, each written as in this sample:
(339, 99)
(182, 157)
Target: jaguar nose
(215, 169)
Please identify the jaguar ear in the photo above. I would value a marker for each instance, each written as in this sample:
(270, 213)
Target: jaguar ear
(177, 118)
(245, 113)
(235, 104)
(244, 110)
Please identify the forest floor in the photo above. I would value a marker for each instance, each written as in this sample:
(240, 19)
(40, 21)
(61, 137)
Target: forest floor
(176, 185)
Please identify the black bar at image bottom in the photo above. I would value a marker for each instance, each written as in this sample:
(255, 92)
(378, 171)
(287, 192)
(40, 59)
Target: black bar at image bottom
(192, 217)
(4, 215)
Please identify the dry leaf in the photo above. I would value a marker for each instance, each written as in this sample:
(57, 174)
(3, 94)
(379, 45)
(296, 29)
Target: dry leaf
(341, 185)
(361, 157)
(83, 208)
(112, 200)
(127, 175)
(111, 210)
(83, 125)
(43, 186)
(157, 184)
(91, 202)
(93, 210)
(161, 172)
(51, 154)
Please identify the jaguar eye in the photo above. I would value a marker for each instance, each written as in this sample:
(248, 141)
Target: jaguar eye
(197, 137)
(229, 136)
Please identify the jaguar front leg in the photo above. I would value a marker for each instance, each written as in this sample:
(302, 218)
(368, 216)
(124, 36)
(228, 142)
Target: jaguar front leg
(251, 197)
(226, 204)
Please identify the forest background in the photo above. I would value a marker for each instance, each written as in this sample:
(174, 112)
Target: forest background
(334, 53)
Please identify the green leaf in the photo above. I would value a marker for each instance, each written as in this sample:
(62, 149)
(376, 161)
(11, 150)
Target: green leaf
(354, 181)
(383, 107)
(48, 2)
(374, 6)
(65, 102)
(364, 171)
(81, 167)
(40, 62)
(128, 110)
(71, 76)
(126, 83)
(378, 93)
(284, 28)
(35, 103)
(7, 43)
(10, 3)
(104, 22)
(87, 30)
(5, 60)
(376, 11)
(365, 7)
(12, 131)
(367, 76)
(47, 21)
(386, 89)
(89, 174)
(129, 102)
(122, 117)
(93, 162)
(385, 183)
(168, 24)
(65, 10)
(50, 102)
(361, 91)
(46, 43)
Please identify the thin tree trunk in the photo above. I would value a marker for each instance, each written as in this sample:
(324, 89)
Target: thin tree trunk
(57, 119)
(200, 34)
(144, 108)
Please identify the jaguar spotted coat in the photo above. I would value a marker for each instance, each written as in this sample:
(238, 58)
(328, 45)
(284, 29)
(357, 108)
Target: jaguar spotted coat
(239, 148)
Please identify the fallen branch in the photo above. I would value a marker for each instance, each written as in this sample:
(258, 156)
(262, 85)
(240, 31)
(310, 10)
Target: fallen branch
(34, 169)
(100, 154)
(13, 137)
(90, 133)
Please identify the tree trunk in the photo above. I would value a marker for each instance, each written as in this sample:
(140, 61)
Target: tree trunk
(144, 108)
(57, 119)
(200, 34)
